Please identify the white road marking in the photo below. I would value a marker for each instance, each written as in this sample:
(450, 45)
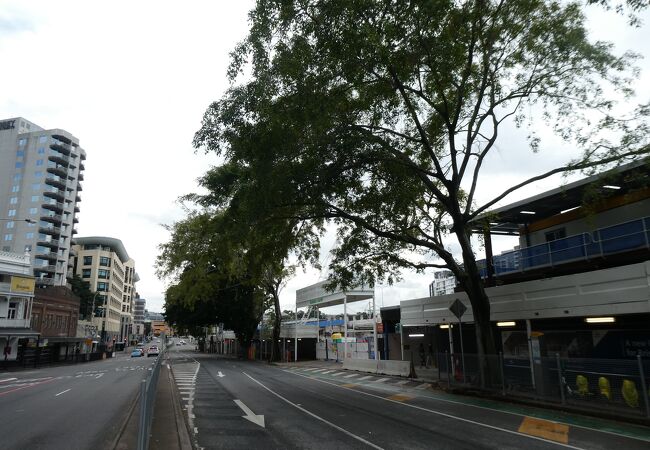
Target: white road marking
(337, 374)
(62, 392)
(257, 419)
(352, 375)
(364, 378)
(402, 382)
(314, 415)
(8, 379)
(381, 380)
(423, 386)
(450, 416)
(329, 371)
(318, 370)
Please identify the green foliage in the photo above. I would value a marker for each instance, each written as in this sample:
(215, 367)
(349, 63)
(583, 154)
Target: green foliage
(82, 290)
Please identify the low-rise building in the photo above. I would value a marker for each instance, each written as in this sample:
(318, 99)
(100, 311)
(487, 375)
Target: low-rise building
(16, 302)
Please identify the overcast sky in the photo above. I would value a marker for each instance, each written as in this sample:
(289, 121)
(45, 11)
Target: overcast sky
(132, 79)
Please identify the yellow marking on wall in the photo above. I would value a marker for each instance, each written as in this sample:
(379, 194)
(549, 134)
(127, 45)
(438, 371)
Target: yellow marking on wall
(352, 385)
(546, 429)
(399, 397)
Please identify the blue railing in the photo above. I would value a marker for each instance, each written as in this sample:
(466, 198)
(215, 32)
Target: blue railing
(619, 238)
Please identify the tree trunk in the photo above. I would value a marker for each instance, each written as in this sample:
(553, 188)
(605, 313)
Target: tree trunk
(277, 323)
(470, 280)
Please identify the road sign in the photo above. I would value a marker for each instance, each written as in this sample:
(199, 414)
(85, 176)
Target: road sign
(458, 308)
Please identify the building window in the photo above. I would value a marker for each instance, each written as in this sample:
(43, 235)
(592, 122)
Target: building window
(9, 237)
(85, 273)
(11, 213)
(42, 139)
(102, 286)
(35, 198)
(105, 261)
(22, 141)
(13, 200)
(39, 162)
(6, 248)
(554, 235)
(88, 260)
(28, 248)
(15, 188)
(29, 235)
(36, 186)
(33, 210)
(103, 273)
(19, 165)
(38, 174)
(20, 153)
(11, 224)
(13, 310)
(41, 150)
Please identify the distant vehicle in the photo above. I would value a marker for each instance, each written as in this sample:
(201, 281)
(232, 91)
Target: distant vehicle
(137, 353)
(181, 342)
(153, 351)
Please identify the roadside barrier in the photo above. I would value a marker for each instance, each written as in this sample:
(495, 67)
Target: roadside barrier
(147, 400)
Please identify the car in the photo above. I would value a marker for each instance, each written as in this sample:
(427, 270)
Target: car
(153, 351)
(137, 352)
(181, 342)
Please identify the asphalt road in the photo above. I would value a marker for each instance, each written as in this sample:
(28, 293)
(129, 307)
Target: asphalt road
(80, 406)
(234, 404)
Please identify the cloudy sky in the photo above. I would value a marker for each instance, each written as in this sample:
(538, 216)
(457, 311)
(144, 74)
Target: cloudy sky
(131, 80)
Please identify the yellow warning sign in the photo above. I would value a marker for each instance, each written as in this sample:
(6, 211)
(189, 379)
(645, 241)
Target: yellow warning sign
(546, 429)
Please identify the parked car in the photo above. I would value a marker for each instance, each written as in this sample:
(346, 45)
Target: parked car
(137, 352)
(153, 351)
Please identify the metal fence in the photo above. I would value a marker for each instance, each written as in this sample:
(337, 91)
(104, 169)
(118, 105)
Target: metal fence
(619, 386)
(147, 400)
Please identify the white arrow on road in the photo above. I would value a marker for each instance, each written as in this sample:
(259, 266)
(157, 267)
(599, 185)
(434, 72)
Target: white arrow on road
(220, 375)
(258, 420)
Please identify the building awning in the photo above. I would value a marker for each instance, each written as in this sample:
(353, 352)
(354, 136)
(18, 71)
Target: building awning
(18, 332)
(508, 220)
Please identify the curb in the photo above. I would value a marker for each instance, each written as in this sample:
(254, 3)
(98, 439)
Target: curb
(184, 437)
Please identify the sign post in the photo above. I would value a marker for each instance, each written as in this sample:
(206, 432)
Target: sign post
(458, 309)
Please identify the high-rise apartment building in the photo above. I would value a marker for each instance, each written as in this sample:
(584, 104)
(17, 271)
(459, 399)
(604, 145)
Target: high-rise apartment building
(40, 181)
(444, 283)
(104, 263)
(138, 315)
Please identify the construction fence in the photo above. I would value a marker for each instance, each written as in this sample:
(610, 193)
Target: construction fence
(619, 386)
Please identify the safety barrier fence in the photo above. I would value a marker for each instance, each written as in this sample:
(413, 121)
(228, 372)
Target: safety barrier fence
(147, 400)
(618, 386)
(623, 237)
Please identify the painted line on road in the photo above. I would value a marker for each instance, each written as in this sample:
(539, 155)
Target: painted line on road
(450, 416)
(63, 392)
(8, 379)
(365, 378)
(25, 387)
(352, 435)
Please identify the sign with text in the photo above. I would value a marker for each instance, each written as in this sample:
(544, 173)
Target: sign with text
(22, 285)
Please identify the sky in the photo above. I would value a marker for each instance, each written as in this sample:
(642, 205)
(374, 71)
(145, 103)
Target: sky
(132, 79)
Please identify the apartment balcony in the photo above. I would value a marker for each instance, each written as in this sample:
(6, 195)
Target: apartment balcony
(76, 209)
(59, 158)
(623, 243)
(81, 177)
(58, 170)
(15, 323)
(57, 194)
(44, 281)
(53, 206)
(54, 218)
(79, 187)
(81, 164)
(62, 140)
(46, 269)
(51, 256)
(53, 231)
(53, 243)
(55, 180)
(77, 199)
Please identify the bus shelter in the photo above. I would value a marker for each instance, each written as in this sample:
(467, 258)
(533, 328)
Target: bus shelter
(318, 297)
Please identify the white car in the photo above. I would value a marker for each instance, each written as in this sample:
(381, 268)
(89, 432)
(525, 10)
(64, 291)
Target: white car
(153, 351)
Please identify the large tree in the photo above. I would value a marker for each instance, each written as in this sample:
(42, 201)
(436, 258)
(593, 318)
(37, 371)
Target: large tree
(379, 116)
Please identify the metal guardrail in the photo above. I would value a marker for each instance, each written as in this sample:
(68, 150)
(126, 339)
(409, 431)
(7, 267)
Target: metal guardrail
(618, 238)
(615, 386)
(148, 388)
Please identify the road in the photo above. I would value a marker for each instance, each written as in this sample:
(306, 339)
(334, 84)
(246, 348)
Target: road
(234, 404)
(80, 406)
